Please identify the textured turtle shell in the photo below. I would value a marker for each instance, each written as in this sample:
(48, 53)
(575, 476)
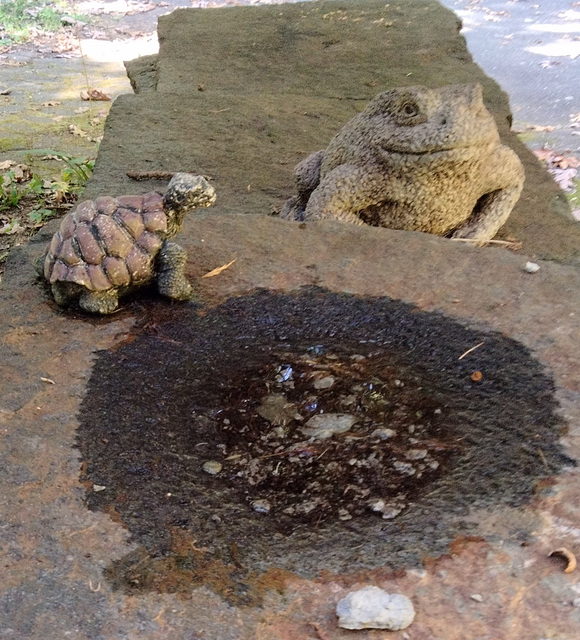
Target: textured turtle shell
(108, 242)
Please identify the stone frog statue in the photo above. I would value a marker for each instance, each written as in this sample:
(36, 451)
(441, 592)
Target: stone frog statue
(107, 247)
(416, 159)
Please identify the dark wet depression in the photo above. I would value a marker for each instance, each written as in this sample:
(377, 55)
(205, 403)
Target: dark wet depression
(307, 432)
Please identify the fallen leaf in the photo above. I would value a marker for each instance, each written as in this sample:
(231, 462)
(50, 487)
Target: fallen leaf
(564, 177)
(6, 164)
(10, 228)
(21, 172)
(217, 271)
(51, 103)
(77, 131)
(5, 92)
(95, 94)
(539, 127)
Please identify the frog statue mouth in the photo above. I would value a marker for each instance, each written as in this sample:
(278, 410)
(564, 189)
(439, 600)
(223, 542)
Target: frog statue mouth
(279, 426)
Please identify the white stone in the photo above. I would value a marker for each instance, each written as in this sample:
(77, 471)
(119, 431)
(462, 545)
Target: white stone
(324, 425)
(532, 267)
(374, 608)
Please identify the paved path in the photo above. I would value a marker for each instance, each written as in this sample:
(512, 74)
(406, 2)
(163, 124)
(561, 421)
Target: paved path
(533, 50)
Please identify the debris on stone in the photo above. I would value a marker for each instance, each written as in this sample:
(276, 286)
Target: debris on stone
(568, 556)
(276, 409)
(261, 506)
(325, 425)
(477, 597)
(212, 467)
(324, 383)
(476, 376)
(95, 95)
(98, 487)
(532, 267)
(218, 270)
(374, 608)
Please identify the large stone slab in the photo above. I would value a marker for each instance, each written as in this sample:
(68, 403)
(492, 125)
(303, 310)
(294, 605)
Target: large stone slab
(54, 550)
(244, 94)
(57, 555)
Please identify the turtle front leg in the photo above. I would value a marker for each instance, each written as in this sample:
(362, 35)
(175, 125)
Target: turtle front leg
(171, 280)
(102, 302)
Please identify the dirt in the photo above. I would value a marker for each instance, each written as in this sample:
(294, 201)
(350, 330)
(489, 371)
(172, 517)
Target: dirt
(282, 497)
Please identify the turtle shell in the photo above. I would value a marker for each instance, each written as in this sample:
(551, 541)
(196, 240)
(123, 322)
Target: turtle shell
(108, 242)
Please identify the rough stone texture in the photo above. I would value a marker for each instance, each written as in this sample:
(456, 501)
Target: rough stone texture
(416, 159)
(294, 75)
(53, 549)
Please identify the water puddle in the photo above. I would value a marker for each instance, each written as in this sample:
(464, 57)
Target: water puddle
(303, 433)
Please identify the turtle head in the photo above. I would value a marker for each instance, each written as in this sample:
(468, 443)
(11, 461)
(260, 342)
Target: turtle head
(184, 193)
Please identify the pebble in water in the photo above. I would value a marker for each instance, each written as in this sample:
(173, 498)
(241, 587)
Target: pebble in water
(212, 467)
(324, 425)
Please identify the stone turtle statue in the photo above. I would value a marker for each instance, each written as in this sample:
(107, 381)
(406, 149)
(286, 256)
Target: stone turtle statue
(106, 247)
(416, 159)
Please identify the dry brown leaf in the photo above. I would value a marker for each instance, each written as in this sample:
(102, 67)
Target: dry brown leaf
(51, 103)
(539, 127)
(21, 173)
(217, 271)
(6, 164)
(568, 556)
(95, 94)
(564, 177)
(565, 162)
(77, 131)
(543, 153)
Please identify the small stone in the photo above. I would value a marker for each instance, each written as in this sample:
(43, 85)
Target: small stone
(357, 357)
(390, 513)
(477, 597)
(576, 602)
(416, 454)
(212, 467)
(376, 505)
(404, 468)
(324, 425)
(98, 487)
(383, 434)
(344, 515)
(374, 608)
(324, 383)
(276, 409)
(261, 506)
(532, 267)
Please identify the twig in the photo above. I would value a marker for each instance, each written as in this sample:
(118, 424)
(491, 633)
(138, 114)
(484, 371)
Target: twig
(503, 243)
(150, 175)
(470, 350)
(320, 632)
(218, 270)
(543, 457)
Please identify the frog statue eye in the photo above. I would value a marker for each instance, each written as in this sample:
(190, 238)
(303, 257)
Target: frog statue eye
(409, 109)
